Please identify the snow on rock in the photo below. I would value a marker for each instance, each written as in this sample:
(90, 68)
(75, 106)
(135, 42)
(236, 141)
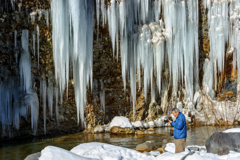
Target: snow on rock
(120, 121)
(53, 153)
(160, 121)
(137, 124)
(145, 125)
(151, 124)
(108, 152)
(233, 130)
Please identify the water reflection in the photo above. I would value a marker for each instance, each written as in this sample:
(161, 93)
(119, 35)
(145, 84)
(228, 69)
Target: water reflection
(196, 136)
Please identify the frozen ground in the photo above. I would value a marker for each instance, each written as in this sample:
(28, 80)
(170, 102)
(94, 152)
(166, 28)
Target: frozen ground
(102, 151)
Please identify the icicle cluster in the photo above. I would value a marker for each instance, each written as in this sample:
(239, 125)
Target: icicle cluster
(73, 23)
(224, 24)
(173, 38)
(18, 100)
(146, 42)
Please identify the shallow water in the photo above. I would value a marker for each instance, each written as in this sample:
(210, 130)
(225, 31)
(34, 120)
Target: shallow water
(20, 150)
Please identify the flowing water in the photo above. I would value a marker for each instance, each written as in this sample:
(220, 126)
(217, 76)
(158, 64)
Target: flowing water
(19, 150)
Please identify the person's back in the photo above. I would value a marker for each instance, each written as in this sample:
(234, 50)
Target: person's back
(180, 130)
(180, 127)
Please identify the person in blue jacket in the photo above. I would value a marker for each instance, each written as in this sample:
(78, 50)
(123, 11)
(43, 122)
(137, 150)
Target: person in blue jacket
(180, 130)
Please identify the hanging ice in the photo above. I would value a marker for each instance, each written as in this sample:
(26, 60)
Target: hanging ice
(43, 92)
(102, 97)
(72, 23)
(142, 40)
(15, 45)
(50, 94)
(25, 63)
(19, 99)
(38, 34)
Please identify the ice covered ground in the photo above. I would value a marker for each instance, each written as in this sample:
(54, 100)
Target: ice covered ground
(102, 151)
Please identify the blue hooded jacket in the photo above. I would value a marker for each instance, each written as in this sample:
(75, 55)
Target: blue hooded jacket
(180, 127)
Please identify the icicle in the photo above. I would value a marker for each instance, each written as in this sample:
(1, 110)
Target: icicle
(25, 63)
(34, 41)
(32, 15)
(38, 34)
(103, 12)
(98, 16)
(46, 14)
(50, 94)
(56, 104)
(43, 92)
(102, 97)
(15, 45)
(77, 14)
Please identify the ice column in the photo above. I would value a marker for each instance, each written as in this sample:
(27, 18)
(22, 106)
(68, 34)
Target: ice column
(50, 94)
(38, 43)
(102, 97)
(25, 63)
(72, 23)
(15, 45)
(43, 92)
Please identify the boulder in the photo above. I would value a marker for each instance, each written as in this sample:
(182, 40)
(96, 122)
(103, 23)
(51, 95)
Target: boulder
(146, 146)
(139, 132)
(34, 156)
(221, 143)
(119, 130)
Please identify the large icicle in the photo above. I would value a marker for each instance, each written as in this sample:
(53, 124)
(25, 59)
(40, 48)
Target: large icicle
(38, 34)
(74, 17)
(25, 63)
(50, 94)
(43, 92)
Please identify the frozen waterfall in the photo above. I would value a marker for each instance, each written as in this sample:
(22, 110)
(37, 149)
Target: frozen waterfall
(146, 42)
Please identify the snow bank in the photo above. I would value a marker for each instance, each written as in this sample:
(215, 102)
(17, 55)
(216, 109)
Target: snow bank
(233, 130)
(53, 153)
(120, 121)
(99, 151)
(108, 152)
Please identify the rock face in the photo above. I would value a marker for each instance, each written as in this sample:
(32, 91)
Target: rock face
(221, 143)
(146, 146)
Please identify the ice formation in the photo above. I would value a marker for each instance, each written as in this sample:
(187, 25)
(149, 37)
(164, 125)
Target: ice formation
(15, 45)
(43, 93)
(143, 37)
(73, 24)
(38, 43)
(56, 104)
(224, 24)
(146, 41)
(19, 98)
(50, 94)
(34, 41)
(102, 97)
